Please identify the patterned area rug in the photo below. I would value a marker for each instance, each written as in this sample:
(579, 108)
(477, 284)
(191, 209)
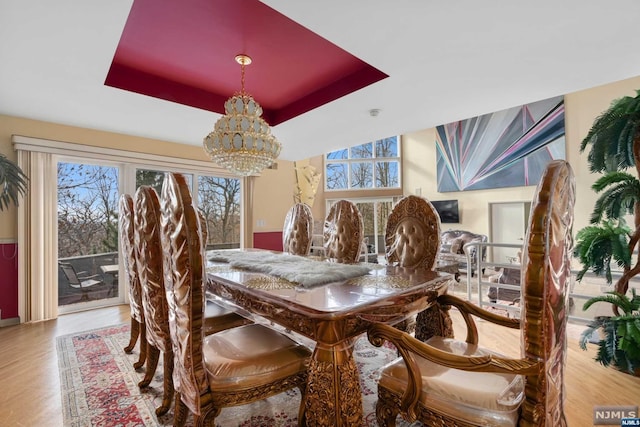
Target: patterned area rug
(99, 386)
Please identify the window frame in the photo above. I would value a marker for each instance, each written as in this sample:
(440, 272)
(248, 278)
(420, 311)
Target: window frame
(349, 161)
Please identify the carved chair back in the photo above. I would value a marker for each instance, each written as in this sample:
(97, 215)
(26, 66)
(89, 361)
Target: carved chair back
(343, 232)
(546, 282)
(412, 236)
(150, 268)
(204, 229)
(128, 245)
(298, 229)
(182, 244)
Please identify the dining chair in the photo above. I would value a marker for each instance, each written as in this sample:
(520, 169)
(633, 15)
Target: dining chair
(412, 240)
(217, 317)
(452, 382)
(154, 301)
(343, 232)
(232, 367)
(297, 232)
(128, 245)
(412, 235)
(80, 280)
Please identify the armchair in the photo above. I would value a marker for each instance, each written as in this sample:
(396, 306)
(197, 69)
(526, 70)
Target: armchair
(449, 382)
(452, 247)
(507, 276)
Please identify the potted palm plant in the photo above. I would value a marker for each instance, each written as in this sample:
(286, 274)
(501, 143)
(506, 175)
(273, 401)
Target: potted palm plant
(614, 141)
(13, 183)
(620, 335)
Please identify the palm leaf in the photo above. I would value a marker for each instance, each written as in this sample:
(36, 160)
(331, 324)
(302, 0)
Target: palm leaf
(597, 245)
(612, 134)
(13, 183)
(615, 298)
(607, 348)
(592, 326)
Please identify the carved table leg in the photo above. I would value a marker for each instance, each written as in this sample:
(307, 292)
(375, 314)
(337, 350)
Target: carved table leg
(434, 321)
(334, 396)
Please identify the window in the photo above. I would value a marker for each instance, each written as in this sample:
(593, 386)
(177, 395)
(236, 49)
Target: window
(218, 198)
(219, 201)
(367, 166)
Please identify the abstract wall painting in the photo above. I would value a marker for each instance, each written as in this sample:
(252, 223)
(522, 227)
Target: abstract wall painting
(508, 148)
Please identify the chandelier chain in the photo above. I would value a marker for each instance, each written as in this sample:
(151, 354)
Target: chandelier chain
(242, 78)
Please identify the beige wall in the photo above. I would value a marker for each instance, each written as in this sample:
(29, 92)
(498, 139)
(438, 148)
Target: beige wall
(273, 193)
(419, 161)
(272, 197)
(270, 190)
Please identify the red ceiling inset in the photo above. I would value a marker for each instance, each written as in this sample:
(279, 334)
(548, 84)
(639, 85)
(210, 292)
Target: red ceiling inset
(184, 52)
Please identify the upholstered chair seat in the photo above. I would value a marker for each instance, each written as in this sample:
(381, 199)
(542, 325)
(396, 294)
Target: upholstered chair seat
(485, 398)
(251, 356)
(218, 318)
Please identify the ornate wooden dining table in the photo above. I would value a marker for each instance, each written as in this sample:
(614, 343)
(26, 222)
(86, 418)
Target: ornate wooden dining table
(332, 315)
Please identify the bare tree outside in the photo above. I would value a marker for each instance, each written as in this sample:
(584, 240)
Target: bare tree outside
(371, 165)
(151, 178)
(219, 201)
(387, 171)
(337, 173)
(362, 172)
(87, 209)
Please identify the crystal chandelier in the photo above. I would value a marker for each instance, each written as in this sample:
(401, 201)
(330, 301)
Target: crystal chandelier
(241, 140)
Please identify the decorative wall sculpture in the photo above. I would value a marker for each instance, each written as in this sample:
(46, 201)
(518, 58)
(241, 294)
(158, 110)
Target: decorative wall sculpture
(307, 181)
(508, 148)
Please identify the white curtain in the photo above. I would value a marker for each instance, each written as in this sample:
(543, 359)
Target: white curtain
(38, 239)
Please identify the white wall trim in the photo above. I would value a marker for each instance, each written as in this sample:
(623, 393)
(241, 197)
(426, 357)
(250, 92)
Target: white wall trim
(28, 143)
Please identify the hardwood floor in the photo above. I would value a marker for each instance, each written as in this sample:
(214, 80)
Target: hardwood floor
(29, 377)
(30, 386)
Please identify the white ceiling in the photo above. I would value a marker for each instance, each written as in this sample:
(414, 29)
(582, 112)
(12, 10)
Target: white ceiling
(447, 60)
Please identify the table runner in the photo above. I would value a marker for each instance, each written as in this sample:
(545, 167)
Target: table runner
(297, 269)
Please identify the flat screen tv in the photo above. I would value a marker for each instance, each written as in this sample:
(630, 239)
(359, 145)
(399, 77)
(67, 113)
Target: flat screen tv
(448, 210)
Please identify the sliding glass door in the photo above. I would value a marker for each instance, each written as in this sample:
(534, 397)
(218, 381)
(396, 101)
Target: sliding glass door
(87, 235)
(90, 270)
